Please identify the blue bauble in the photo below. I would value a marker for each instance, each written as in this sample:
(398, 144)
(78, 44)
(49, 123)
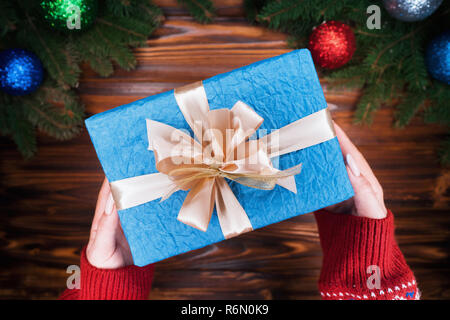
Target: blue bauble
(21, 71)
(438, 57)
(411, 10)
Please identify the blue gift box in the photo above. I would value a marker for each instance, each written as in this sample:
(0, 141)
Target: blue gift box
(281, 89)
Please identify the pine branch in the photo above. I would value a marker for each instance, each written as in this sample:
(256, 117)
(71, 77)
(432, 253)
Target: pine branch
(50, 48)
(393, 44)
(408, 108)
(121, 54)
(370, 101)
(252, 7)
(414, 68)
(123, 28)
(150, 13)
(24, 135)
(54, 111)
(328, 10)
(438, 111)
(8, 18)
(351, 76)
(275, 13)
(142, 10)
(14, 124)
(5, 103)
(202, 10)
(444, 152)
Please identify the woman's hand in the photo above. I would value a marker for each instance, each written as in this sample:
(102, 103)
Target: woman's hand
(107, 248)
(368, 200)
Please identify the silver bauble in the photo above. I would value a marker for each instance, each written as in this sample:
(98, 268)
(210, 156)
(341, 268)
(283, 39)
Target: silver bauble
(411, 10)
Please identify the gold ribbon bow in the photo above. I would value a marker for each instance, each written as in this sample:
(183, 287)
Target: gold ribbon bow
(222, 149)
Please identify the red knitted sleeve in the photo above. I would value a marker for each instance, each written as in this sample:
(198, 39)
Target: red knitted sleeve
(127, 283)
(361, 259)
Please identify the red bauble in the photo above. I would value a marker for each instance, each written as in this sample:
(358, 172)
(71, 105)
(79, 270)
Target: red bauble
(332, 44)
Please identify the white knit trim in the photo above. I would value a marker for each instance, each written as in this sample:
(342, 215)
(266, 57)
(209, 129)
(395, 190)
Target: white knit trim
(374, 294)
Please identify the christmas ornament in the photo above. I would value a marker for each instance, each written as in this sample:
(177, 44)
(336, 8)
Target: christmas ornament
(70, 15)
(21, 71)
(438, 57)
(411, 10)
(332, 44)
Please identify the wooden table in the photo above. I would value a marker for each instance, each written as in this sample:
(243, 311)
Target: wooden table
(47, 203)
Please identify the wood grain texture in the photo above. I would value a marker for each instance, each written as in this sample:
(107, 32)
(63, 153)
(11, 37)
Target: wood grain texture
(47, 203)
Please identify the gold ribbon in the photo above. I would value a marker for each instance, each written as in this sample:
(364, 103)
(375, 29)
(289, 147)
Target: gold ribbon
(222, 149)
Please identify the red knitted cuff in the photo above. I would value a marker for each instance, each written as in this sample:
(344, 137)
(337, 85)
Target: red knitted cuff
(351, 245)
(127, 283)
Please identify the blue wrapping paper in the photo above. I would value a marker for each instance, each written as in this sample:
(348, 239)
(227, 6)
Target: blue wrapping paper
(281, 89)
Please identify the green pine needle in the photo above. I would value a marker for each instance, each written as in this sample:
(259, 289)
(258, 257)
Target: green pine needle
(14, 124)
(55, 108)
(408, 108)
(202, 11)
(388, 65)
(444, 152)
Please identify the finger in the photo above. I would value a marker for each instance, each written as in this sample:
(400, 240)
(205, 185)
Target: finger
(105, 239)
(348, 147)
(346, 144)
(99, 209)
(366, 202)
(101, 203)
(108, 210)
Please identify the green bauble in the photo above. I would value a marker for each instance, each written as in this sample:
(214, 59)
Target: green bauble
(70, 15)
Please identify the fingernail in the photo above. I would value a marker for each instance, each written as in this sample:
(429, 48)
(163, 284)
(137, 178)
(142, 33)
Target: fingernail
(109, 205)
(353, 166)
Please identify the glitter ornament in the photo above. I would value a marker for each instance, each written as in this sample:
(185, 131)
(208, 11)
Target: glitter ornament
(21, 72)
(332, 44)
(70, 15)
(411, 10)
(438, 57)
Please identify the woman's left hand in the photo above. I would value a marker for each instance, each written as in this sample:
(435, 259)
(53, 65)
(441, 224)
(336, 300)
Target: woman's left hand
(107, 248)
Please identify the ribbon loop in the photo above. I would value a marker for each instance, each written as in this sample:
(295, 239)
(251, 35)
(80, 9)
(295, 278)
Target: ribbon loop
(221, 150)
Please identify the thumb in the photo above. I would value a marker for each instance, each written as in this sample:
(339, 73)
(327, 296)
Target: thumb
(366, 202)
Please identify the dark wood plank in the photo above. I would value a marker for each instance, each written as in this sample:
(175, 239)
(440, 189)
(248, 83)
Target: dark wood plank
(47, 203)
